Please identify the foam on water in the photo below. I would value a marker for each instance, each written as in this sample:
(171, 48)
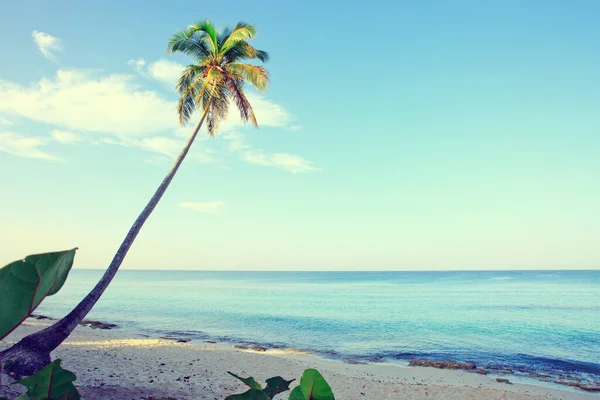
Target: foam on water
(524, 320)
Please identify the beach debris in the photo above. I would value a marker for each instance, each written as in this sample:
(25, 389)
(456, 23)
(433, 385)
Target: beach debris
(587, 386)
(503, 380)
(176, 339)
(418, 362)
(97, 324)
(39, 316)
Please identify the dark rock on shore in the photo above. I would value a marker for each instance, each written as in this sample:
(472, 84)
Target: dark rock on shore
(39, 316)
(503, 380)
(259, 348)
(588, 387)
(416, 362)
(242, 346)
(97, 324)
(482, 371)
(177, 339)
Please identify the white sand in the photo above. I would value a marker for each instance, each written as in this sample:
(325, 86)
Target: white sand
(116, 365)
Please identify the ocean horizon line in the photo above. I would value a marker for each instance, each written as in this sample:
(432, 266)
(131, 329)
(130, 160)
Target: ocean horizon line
(345, 271)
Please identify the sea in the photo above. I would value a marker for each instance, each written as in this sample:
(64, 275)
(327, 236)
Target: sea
(534, 323)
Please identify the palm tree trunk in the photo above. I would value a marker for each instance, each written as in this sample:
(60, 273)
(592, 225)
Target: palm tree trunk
(33, 352)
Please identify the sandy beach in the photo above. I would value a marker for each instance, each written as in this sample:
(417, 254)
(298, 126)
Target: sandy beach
(114, 364)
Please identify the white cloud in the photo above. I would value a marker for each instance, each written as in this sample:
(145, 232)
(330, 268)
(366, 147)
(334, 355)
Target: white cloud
(165, 71)
(76, 103)
(210, 207)
(237, 141)
(47, 44)
(66, 137)
(76, 100)
(167, 147)
(138, 64)
(23, 146)
(289, 162)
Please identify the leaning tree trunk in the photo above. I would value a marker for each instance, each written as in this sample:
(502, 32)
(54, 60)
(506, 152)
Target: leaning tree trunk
(32, 353)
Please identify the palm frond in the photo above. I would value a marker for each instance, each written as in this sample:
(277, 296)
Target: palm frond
(222, 37)
(258, 76)
(190, 42)
(243, 51)
(240, 100)
(218, 107)
(211, 33)
(187, 87)
(212, 82)
(242, 32)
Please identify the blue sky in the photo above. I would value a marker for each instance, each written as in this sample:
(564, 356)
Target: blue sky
(420, 135)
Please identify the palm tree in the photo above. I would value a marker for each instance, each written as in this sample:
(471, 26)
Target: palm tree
(215, 80)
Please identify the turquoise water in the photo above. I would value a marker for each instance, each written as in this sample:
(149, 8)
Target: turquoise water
(544, 321)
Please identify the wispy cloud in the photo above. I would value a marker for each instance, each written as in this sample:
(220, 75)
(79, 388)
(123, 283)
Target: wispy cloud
(23, 146)
(90, 106)
(65, 137)
(289, 162)
(167, 147)
(138, 64)
(47, 44)
(5, 122)
(209, 207)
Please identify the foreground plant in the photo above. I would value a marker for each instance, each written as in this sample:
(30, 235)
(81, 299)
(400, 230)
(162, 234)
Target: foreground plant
(216, 78)
(312, 387)
(23, 286)
(51, 382)
(25, 283)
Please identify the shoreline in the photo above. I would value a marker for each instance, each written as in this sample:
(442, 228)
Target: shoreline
(559, 379)
(119, 364)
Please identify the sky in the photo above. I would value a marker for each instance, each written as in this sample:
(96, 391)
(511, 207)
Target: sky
(423, 135)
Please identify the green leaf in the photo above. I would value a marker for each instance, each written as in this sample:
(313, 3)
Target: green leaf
(312, 387)
(250, 382)
(252, 394)
(51, 382)
(25, 283)
(276, 385)
(296, 394)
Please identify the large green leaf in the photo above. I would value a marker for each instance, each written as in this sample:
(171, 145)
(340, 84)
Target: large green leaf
(25, 283)
(252, 394)
(296, 394)
(312, 387)
(250, 382)
(50, 383)
(276, 385)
